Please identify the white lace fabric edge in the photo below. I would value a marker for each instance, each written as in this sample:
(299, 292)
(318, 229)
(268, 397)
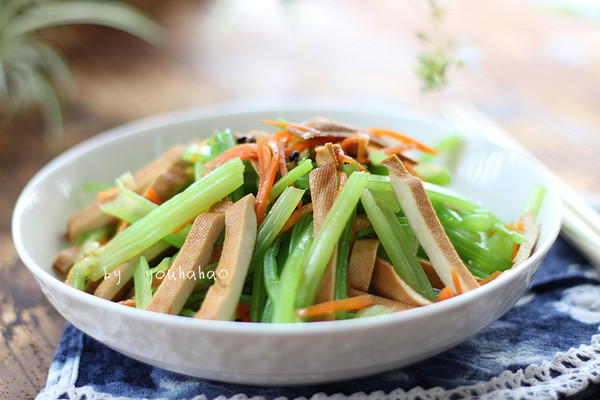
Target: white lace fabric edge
(565, 375)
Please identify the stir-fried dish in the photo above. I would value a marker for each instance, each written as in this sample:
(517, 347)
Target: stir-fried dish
(309, 221)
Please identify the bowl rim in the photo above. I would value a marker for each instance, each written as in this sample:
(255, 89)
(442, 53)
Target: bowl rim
(252, 106)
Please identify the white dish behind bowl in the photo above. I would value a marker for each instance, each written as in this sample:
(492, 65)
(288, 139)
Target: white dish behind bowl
(273, 353)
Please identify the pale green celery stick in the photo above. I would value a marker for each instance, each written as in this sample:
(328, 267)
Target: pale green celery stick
(224, 139)
(186, 312)
(379, 182)
(434, 173)
(373, 311)
(268, 312)
(535, 198)
(292, 176)
(276, 218)
(394, 242)
(270, 270)
(341, 271)
(131, 207)
(267, 232)
(81, 272)
(94, 235)
(162, 266)
(364, 232)
(197, 152)
(501, 245)
(322, 248)
(289, 281)
(484, 259)
(477, 222)
(377, 157)
(169, 216)
(206, 277)
(142, 282)
(448, 144)
(388, 198)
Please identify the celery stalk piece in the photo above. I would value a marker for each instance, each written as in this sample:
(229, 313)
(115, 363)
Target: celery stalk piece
(142, 282)
(485, 260)
(434, 173)
(285, 305)
(169, 216)
(270, 270)
(396, 245)
(448, 144)
(388, 197)
(94, 186)
(322, 248)
(199, 170)
(268, 312)
(267, 232)
(276, 218)
(292, 176)
(534, 199)
(131, 207)
(341, 271)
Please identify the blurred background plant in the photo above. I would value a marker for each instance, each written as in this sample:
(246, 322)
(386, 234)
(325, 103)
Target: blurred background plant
(33, 72)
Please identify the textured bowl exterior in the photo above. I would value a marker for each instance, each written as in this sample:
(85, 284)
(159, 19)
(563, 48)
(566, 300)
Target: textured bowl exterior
(274, 354)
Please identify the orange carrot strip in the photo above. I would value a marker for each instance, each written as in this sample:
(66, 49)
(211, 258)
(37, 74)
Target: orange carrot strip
(403, 138)
(396, 149)
(490, 278)
(296, 215)
(157, 280)
(128, 302)
(519, 228)
(281, 139)
(361, 141)
(151, 195)
(351, 303)
(350, 160)
(445, 294)
(282, 124)
(242, 312)
(107, 194)
(243, 151)
(262, 196)
(515, 250)
(456, 281)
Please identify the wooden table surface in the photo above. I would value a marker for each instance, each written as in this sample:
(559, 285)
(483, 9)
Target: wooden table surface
(535, 71)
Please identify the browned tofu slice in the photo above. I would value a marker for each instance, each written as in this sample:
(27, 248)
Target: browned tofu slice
(240, 235)
(362, 261)
(386, 282)
(424, 222)
(194, 255)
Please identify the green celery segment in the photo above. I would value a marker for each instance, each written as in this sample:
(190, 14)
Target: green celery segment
(142, 282)
(169, 216)
(292, 176)
(323, 246)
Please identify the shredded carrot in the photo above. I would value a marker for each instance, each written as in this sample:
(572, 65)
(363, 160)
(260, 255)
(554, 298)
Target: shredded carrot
(281, 139)
(128, 302)
(243, 151)
(266, 173)
(121, 227)
(409, 168)
(296, 215)
(242, 312)
(151, 195)
(157, 280)
(108, 194)
(456, 281)
(403, 138)
(518, 228)
(396, 149)
(351, 303)
(490, 278)
(445, 294)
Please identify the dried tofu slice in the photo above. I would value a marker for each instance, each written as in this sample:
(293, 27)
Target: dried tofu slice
(194, 255)
(386, 282)
(240, 235)
(362, 262)
(424, 222)
(380, 301)
(323, 189)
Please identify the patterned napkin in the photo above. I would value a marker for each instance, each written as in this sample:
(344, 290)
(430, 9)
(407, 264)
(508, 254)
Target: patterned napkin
(546, 347)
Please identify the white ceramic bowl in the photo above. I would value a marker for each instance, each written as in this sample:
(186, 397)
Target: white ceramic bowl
(274, 354)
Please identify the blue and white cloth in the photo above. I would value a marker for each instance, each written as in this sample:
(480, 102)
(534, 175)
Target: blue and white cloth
(546, 347)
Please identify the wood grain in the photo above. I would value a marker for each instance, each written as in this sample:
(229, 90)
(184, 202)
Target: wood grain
(537, 76)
